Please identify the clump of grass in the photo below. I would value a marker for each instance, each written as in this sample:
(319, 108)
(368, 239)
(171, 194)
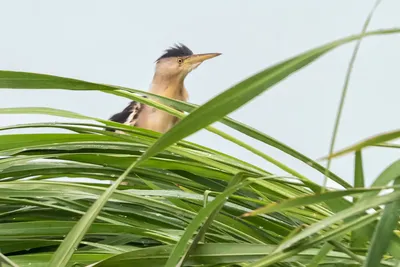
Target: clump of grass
(183, 204)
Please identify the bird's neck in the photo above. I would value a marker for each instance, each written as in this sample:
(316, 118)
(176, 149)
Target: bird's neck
(169, 86)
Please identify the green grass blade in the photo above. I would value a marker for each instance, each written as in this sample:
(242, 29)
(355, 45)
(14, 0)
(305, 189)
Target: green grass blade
(360, 236)
(383, 232)
(42, 259)
(321, 255)
(345, 88)
(28, 80)
(201, 216)
(67, 114)
(357, 208)
(389, 145)
(310, 199)
(344, 249)
(201, 233)
(358, 170)
(262, 137)
(387, 176)
(372, 141)
(43, 110)
(295, 249)
(4, 259)
(67, 248)
(219, 254)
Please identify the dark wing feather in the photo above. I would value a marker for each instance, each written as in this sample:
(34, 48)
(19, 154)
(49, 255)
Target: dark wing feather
(129, 115)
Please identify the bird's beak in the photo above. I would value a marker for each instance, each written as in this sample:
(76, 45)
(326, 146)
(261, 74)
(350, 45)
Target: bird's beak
(198, 58)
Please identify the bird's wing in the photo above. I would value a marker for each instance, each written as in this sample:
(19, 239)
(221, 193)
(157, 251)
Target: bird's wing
(129, 115)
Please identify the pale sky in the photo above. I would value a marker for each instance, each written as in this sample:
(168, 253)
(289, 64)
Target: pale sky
(116, 42)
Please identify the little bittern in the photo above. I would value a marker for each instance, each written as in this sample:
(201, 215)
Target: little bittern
(168, 81)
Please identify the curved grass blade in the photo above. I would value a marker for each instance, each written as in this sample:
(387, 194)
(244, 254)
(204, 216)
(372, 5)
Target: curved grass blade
(387, 176)
(325, 249)
(360, 236)
(207, 211)
(61, 113)
(357, 208)
(28, 80)
(200, 235)
(216, 254)
(67, 248)
(340, 247)
(4, 259)
(42, 259)
(372, 141)
(143, 137)
(389, 145)
(56, 189)
(345, 88)
(311, 199)
(60, 228)
(279, 255)
(358, 170)
(67, 114)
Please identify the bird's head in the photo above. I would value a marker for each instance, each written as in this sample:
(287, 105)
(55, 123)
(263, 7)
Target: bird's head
(180, 61)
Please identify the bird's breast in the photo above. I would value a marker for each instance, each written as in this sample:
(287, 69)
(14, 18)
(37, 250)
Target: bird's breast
(155, 120)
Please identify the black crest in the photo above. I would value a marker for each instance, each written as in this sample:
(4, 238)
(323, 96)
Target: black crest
(179, 50)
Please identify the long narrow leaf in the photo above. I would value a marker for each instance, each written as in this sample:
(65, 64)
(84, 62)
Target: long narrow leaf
(279, 254)
(311, 199)
(357, 208)
(383, 232)
(201, 216)
(4, 259)
(360, 236)
(210, 255)
(375, 140)
(345, 88)
(387, 176)
(238, 178)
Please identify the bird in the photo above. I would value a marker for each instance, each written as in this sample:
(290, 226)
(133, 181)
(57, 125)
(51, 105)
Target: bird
(171, 69)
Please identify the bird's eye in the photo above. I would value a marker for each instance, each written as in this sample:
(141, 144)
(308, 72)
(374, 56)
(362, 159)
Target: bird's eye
(180, 60)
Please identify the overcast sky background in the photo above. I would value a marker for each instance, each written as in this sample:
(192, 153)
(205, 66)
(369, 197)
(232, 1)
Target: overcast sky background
(116, 42)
